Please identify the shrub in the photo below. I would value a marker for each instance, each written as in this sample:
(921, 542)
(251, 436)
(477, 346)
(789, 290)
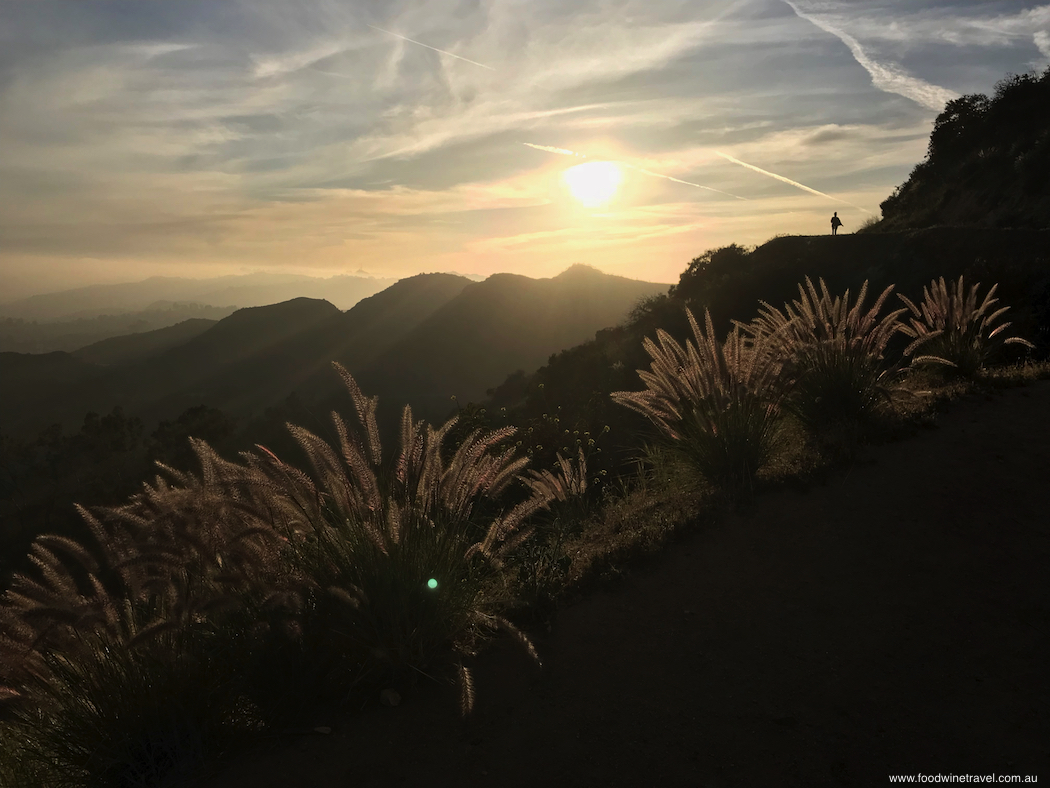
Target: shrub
(952, 328)
(834, 354)
(716, 403)
(388, 568)
(541, 566)
(108, 689)
(118, 666)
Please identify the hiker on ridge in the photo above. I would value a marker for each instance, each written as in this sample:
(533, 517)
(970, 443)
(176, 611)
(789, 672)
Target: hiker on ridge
(836, 223)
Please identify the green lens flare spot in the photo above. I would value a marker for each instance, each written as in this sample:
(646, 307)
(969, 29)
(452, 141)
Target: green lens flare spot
(432, 583)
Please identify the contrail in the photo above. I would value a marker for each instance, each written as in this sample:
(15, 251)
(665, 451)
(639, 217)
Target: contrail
(781, 178)
(888, 78)
(420, 43)
(549, 149)
(678, 180)
(566, 152)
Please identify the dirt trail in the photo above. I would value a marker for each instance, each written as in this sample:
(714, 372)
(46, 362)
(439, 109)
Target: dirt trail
(893, 621)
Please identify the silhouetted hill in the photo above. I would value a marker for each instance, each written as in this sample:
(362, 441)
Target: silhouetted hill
(731, 281)
(57, 367)
(175, 372)
(241, 291)
(495, 327)
(132, 348)
(420, 341)
(988, 163)
(245, 362)
(303, 361)
(30, 336)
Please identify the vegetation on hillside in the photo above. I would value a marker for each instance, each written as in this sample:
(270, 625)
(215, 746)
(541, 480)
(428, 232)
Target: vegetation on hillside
(217, 602)
(986, 164)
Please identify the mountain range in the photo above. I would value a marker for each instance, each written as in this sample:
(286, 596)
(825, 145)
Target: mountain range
(421, 340)
(241, 290)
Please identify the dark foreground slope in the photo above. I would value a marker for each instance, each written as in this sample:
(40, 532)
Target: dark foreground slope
(895, 621)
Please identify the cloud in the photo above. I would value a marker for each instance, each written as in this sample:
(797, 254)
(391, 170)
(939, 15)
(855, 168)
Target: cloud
(1042, 43)
(946, 24)
(266, 133)
(885, 76)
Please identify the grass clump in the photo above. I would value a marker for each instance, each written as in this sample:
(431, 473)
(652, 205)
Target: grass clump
(834, 357)
(955, 328)
(388, 567)
(716, 404)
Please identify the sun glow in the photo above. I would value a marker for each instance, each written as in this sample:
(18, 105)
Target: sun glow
(593, 183)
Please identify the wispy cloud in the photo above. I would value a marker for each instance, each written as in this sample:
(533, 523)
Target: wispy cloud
(1042, 43)
(885, 76)
(147, 135)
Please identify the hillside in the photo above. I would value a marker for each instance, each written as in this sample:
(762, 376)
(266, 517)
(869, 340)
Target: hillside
(495, 327)
(18, 335)
(131, 348)
(888, 621)
(731, 281)
(245, 362)
(986, 165)
(32, 401)
(421, 341)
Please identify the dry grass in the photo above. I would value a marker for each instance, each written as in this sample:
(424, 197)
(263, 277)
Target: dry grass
(952, 326)
(716, 404)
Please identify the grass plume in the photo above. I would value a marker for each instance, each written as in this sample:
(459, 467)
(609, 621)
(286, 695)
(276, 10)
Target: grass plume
(716, 403)
(952, 326)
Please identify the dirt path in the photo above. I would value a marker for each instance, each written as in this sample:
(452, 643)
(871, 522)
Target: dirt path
(894, 621)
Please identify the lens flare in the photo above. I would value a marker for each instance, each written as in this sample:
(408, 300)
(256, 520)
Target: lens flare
(432, 583)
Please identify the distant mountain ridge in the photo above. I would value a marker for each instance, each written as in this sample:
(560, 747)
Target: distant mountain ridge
(21, 336)
(130, 348)
(419, 341)
(496, 327)
(243, 290)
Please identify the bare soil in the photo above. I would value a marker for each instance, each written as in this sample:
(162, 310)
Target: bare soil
(894, 620)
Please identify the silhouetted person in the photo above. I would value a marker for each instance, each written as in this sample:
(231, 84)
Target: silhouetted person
(836, 223)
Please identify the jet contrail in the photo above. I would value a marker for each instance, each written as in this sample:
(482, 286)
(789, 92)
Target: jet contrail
(885, 77)
(566, 152)
(678, 180)
(550, 149)
(781, 178)
(420, 43)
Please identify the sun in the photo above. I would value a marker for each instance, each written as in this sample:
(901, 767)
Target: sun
(593, 183)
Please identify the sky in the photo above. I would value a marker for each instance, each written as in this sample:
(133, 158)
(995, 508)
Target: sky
(213, 137)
